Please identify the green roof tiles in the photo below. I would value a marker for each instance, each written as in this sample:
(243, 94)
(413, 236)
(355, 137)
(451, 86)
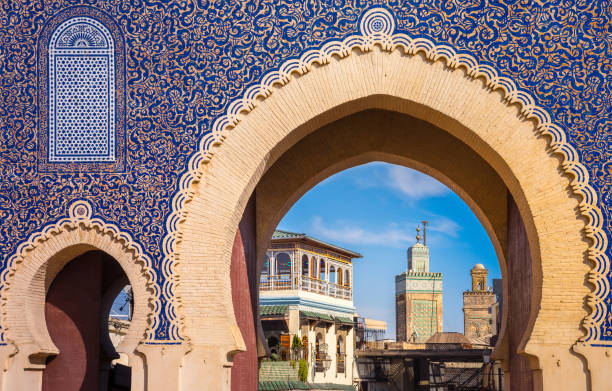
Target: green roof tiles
(273, 310)
(278, 234)
(298, 385)
(317, 315)
(342, 319)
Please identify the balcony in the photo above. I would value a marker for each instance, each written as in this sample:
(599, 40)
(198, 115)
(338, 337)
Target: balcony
(276, 283)
(305, 283)
(310, 284)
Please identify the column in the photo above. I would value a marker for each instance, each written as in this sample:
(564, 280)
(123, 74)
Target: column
(330, 340)
(311, 344)
(350, 354)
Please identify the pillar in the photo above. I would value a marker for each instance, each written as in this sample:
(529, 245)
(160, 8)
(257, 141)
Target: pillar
(244, 276)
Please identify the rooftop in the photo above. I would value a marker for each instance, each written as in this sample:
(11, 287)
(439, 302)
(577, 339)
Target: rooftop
(288, 235)
(448, 337)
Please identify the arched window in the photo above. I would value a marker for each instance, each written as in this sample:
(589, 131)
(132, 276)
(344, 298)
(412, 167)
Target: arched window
(322, 270)
(305, 265)
(265, 271)
(347, 279)
(283, 264)
(332, 274)
(313, 267)
(340, 276)
(319, 347)
(82, 92)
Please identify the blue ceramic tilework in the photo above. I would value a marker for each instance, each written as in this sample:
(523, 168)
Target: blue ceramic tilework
(180, 64)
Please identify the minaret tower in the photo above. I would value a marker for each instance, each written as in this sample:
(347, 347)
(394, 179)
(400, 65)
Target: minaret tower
(479, 319)
(418, 295)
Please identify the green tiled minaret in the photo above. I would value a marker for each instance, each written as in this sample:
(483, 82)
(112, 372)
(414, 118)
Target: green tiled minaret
(418, 297)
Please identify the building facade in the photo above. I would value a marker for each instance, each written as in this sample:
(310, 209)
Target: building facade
(306, 290)
(158, 133)
(479, 308)
(418, 298)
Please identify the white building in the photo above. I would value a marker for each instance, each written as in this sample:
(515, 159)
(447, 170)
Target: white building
(306, 289)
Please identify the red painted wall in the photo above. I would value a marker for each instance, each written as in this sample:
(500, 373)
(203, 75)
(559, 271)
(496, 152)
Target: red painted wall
(519, 298)
(243, 272)
(72, 312)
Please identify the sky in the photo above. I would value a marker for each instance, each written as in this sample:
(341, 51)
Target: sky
(374, 209)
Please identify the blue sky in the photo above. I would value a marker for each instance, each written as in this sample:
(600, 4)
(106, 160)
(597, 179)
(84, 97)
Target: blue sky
(374, 209)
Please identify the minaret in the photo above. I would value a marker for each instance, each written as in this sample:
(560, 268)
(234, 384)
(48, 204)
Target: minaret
(418, 256)
(418, 296)
(479, 318)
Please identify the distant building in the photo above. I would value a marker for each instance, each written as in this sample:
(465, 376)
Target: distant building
(479, 309)
(418, 298)
(448, 341)
(306, 289)
(369, 332)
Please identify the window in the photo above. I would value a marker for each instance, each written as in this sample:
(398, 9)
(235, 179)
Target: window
(82, 93)
(347, 279)
(340, 276)
(322, 270)
(313, 267)
(283, 264)
(265, 271)
(305, 265)
(332, 274)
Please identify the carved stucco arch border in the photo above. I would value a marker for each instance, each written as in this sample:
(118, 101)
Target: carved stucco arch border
(377, 29)
(69, 237)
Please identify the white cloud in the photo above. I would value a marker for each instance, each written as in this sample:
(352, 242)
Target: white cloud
(413, 184)
(392, 235)
(353, 234)
(444, 225)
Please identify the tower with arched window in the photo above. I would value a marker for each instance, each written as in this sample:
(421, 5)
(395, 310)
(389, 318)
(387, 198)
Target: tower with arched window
(479, 310)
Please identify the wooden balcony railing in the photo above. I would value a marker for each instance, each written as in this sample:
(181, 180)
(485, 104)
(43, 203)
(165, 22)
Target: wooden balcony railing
(305, 283)
(276, 283)
(310, 284)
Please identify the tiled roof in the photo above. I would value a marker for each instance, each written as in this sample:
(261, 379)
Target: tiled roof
(279, 234)
(298, 385)
(271, 310)
(316, 315)
(448, 337)
(342, 319)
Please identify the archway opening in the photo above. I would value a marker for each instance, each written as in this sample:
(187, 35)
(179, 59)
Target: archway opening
(410, 142)
(88, 311)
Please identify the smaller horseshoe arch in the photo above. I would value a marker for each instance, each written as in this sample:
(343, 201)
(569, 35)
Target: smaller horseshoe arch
(63, 277)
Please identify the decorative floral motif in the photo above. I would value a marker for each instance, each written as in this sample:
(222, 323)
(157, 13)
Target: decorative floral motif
(190, 66)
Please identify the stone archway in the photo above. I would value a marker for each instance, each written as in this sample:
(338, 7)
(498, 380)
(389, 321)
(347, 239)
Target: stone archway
(449, 99)
(354, 140)
(34, 269)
